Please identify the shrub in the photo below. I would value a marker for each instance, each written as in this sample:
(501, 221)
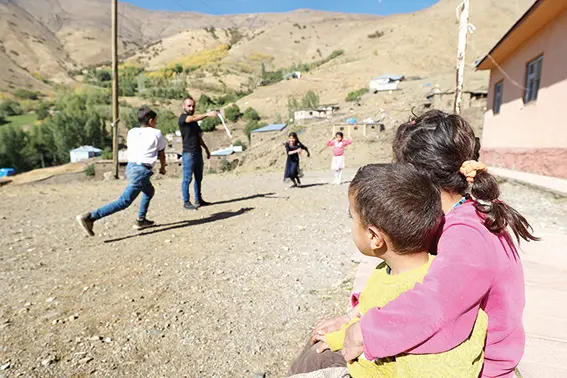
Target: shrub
(107, 153)
(238, 142)
(376, 34)
(209, 124)
(224, 165)
(90, 170)
(355, 95)
(232, 113)
(26, 94)
(10, 108)
(251, 114)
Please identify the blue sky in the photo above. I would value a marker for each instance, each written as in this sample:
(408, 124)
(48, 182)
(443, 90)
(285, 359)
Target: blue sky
(380, 7)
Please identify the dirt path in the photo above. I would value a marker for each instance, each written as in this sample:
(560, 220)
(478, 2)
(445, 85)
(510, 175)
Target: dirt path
(227, 291)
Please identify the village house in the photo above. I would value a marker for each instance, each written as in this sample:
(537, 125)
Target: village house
(385, 82)
(323, 111)
(524, 126)
(266, 132)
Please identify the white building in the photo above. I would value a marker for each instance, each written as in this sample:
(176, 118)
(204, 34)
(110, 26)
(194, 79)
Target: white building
(84, 153)
(385, 82)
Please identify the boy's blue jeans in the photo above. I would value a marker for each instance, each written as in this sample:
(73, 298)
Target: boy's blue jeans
(138, 182)
(192, 165)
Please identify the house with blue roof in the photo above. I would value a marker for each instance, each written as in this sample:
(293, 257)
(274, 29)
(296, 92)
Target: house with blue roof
(266, 132)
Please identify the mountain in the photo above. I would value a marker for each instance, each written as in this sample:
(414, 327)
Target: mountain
(41, 41)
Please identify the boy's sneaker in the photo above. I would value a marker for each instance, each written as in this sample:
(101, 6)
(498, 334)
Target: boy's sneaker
(189, 206)
(86, 223)
(143, 223)
(201, 203)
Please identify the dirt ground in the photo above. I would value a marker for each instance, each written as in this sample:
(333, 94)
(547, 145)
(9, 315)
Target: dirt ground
(231, 290)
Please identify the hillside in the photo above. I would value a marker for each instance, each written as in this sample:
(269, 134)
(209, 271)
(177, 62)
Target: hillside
(46, 39)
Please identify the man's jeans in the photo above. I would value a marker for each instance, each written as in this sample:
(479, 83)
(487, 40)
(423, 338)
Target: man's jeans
(138, 182)
(192, 165)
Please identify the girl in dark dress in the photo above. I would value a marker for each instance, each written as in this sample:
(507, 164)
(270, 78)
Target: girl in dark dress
(293, 149)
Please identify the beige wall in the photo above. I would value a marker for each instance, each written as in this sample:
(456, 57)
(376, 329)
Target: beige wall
(539, 124)
(524, 136)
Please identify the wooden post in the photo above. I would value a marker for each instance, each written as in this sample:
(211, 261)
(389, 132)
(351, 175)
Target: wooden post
(348, 131)
(463, 30)
(364, 130)
(115, 110)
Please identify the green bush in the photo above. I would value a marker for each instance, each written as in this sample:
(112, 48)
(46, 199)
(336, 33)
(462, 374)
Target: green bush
(252, 125)
(26, 94)
(232, 113)
(42, 110)
(107, 153)
(209, 124)
(355, 95)
(251, 114)
(377, 34)
(10, 108)
(90, 170)
(238, 142)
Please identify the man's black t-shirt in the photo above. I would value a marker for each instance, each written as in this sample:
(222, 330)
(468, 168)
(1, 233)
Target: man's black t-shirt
(191, 134)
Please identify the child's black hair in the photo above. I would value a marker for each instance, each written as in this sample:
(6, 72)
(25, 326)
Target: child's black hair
(340, 133)
(439, 143)
(145, 114)
(401, 201)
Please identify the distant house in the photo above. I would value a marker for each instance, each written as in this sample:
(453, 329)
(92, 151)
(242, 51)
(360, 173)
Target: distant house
(323, 111)
(292, 75)
(84, 153)
(444, 100)
(266, 132)
(524, 126)
(226, 151)
(385, 82)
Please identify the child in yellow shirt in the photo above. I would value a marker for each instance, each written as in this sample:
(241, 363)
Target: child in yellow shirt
(396, 214)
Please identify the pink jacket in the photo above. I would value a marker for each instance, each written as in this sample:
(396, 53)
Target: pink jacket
(339, 147)
(474, 268)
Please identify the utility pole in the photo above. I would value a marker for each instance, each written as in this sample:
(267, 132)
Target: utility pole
(115, 110)
(463, 30)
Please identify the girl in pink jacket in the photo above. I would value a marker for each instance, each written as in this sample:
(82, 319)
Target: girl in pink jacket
(477, 265)
(338, 162)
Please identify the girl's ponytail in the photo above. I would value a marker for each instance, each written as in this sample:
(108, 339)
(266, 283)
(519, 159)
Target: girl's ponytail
(496, 213)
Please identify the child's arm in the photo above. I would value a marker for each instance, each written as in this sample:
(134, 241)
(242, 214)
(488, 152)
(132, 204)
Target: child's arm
(335, 340)
(439, 314)
(304, 148)
(331, 143)
(347, 142)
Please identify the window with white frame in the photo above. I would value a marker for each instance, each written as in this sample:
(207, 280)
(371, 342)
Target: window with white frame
(533, 79)
(498, 93)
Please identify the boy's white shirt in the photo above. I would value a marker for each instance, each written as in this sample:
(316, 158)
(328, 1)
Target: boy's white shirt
(144, 143)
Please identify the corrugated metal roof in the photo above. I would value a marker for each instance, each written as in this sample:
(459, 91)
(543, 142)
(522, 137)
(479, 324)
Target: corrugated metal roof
(389, 77)
(276, 127)
(86, 149)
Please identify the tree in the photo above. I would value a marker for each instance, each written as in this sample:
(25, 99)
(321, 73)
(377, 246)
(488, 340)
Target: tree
(251, 126)
(310, 100)
(26, 94)
(232, 113)
(13, 152)
(204, 104)
(209, 124)
(251, 114)
(178, 68)
(10, 108)
(167, 121)
(42, 110)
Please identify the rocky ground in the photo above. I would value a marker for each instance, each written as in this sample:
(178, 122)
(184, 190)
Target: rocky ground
(229, 291)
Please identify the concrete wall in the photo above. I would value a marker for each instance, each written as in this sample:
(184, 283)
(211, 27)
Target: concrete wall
(531, 137)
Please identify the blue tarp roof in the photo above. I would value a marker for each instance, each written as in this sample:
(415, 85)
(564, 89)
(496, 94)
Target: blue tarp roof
(276, 127)
(86, 149)
(390, 76)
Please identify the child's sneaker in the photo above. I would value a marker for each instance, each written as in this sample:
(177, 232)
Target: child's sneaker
(143, 223)
(86, 223)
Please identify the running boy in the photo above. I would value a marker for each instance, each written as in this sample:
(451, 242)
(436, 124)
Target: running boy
(146, 144)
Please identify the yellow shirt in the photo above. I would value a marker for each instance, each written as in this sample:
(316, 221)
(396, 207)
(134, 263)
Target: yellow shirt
(464, 361)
